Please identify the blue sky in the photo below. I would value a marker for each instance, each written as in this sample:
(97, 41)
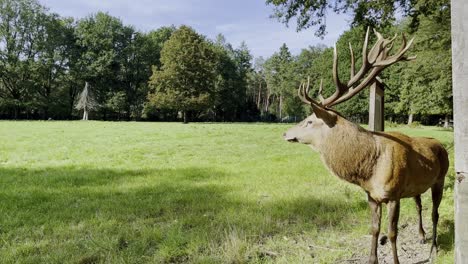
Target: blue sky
(237, 20)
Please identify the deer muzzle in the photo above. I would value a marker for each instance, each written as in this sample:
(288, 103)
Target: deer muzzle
(289, 138)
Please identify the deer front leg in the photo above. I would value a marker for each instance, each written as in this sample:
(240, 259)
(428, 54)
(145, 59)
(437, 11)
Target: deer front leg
(422, 234)
(376, 210)
(393, 215)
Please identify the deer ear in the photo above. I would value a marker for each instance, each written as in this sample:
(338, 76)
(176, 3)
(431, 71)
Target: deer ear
(328, 117)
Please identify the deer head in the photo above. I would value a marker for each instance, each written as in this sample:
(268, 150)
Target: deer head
(312, 129)
(315, 127)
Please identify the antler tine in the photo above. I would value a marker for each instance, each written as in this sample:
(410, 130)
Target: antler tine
(352, 60)
(391, 41)
(368, 80)
(375, 61)
(389, 44)
(364, 46)
(340, 87)
(409, 58)
(390, 47)
(365, 62)
(336, 78)
(306, 92)
(320, 96)
(398, 56)
(300, 93)
(377, 34)
(403, 45)
(303, 93)
(376, 50)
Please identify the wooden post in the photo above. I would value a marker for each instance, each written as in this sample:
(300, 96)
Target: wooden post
(460, 114)
(376, 106)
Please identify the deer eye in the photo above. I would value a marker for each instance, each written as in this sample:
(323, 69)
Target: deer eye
(309, 122)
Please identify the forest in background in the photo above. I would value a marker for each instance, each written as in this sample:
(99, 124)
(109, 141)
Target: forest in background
(174, 73)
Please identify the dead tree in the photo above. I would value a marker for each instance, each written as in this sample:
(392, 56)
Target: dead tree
(86, 102)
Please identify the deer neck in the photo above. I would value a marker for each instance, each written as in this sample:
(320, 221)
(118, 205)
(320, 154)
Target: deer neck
(350, 152)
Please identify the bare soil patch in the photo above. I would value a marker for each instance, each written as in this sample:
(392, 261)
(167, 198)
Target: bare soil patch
(410, 250)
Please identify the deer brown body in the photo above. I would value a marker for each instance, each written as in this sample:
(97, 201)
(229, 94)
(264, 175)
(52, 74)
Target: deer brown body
(388, 166)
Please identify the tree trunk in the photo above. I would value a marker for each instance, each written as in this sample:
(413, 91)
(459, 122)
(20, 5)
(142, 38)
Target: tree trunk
(410, 119)
(281, 108)
(446, 121)
(71, 100)
(259, 96)
(460, 121)
(47, 99)
(45, 114)
(85, 113)
(184, 116)
(16, 111)
(267, 104)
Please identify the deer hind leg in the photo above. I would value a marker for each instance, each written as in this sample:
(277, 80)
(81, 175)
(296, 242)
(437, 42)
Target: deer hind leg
(422, 233)
(393, 215)
(376, 210)
(437, 192)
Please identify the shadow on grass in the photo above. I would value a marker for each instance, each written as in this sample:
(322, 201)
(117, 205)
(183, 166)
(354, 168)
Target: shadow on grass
(69, 194)
(446, 235)
(74, 194)
(174, 206)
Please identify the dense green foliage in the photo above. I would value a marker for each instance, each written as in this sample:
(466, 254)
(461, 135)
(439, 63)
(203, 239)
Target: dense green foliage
(422, 88)
(377, 13)
(46, 60)
(135, 192)
(170, 73)
(186, 75)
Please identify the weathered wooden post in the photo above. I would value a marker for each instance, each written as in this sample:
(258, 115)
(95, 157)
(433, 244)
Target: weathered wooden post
(376, 106)
(460, 114)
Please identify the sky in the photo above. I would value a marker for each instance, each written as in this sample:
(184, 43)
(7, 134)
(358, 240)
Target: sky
(237, 20)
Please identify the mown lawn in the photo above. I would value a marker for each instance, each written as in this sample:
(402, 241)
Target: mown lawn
(103, 192)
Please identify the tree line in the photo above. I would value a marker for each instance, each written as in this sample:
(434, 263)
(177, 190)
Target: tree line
(174, 73)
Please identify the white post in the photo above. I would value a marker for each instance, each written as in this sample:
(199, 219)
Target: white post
(460, 113)
(376, 106)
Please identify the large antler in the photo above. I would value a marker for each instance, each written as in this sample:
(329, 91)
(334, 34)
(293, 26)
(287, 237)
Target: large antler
(303, 93)
(373, 62)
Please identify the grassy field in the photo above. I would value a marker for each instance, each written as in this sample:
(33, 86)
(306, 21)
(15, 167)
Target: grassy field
(103, 192)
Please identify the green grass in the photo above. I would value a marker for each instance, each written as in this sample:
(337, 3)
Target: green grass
(102, 192)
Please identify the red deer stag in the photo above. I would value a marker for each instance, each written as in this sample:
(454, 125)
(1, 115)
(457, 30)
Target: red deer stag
(388, 166)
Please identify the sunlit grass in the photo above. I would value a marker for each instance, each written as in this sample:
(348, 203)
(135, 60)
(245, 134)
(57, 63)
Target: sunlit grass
(103, 192)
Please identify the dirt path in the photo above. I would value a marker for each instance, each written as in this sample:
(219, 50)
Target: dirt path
(410, 250)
